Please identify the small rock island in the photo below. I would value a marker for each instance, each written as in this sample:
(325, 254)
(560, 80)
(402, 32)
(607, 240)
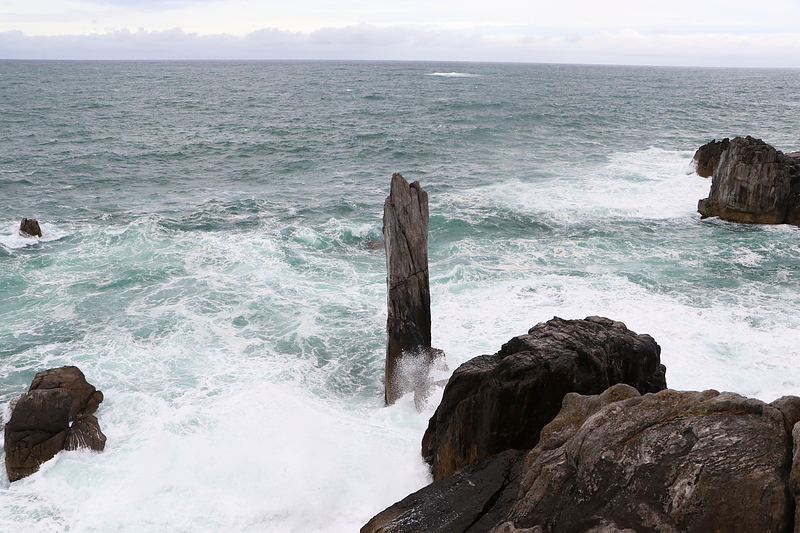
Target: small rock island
(750, 182)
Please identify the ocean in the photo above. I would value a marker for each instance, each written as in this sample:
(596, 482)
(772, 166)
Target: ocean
(209, 261)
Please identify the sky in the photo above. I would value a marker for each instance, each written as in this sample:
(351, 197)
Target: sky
(734, 33)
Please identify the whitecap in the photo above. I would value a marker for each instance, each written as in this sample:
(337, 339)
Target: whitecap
(454, 74)
(12, 239)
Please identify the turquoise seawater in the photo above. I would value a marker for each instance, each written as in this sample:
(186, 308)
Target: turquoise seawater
(208, 261)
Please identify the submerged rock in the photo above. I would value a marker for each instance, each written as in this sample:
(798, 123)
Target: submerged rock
(30, 227)
(55, 414)
(671, 461)
(499, 402)
(751, 182)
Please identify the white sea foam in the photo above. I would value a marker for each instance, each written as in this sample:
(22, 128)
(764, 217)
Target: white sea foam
(252, 456)
(11, 238)
(454, 74)
(719, 347)
(644, 185)
(729, 334)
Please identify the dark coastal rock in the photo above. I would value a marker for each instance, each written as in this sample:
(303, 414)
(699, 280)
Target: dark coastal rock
(793, 208)
(30, 227)
(85, 398)
(55, 414)
(753, 182)
(475, 499)
(678, 462)
(408, 326)
(85, 433)
(707, 156)
(499, 402)
(36, 431)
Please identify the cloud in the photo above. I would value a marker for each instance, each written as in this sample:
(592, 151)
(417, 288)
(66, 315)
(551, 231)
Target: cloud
(371, 42)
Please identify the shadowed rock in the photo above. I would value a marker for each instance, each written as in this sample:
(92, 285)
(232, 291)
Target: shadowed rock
(85, 433)
(30, 227)
(86, 398)
(458, 502)
(36, 431)
(499, 402)
(753, 182)
(408, 325)
(707, 156)
(55, 414)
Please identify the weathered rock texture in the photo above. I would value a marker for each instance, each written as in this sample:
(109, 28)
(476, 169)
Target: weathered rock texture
(751, 182)
(668, 462)
(498, 402)
(30, 226)
(55, 414)
(408, 326)
(707, 156)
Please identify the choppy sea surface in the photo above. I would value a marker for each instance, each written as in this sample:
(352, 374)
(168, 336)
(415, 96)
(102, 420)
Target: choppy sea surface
(208, 260)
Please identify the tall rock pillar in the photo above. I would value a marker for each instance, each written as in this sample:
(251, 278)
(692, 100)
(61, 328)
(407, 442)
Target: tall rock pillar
(408, 326)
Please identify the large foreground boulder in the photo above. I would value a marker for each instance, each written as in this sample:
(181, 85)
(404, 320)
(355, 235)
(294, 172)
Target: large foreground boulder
(670, 461)
(751, 182)
(55, 414)
(676, 462)
(499, 402)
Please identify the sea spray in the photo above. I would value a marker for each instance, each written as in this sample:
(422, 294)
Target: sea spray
(208, 261)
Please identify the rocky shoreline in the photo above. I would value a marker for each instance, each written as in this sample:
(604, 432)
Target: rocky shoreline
(571, 428)
(620, 453)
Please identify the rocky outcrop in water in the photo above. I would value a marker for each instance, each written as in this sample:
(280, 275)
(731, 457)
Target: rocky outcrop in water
(498, 402)
(408, 326)
(30, 227)
(707, 156)
(687, 462)
(56, 413)
(751, 182)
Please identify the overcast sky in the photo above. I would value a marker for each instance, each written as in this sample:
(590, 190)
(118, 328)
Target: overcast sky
(675, 32)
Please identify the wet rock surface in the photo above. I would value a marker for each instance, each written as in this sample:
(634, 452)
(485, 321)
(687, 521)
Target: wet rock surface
(55, 414)
(474, 499)
(408, 323)
(498, 402)
(30, 227)
(707, 156)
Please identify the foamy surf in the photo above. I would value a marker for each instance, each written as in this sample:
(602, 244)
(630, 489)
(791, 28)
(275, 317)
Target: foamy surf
(453, 74)
(12, 239)
(225, 287)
